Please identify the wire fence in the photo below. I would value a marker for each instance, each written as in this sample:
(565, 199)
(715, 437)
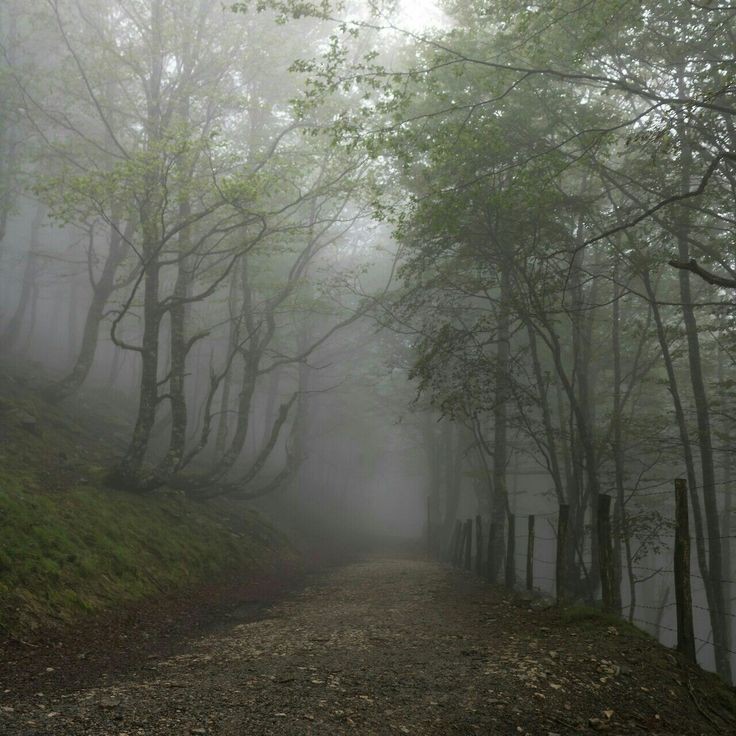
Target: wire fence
(518, 562)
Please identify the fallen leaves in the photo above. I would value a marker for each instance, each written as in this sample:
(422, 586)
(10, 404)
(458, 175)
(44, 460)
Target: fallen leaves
(437, 659)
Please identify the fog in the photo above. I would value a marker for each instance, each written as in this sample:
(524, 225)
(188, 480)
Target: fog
(374, 268)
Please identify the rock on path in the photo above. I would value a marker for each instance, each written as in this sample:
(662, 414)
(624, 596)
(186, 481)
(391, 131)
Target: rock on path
(393, 646)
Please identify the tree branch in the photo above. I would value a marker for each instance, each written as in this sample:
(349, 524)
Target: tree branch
(712, 278)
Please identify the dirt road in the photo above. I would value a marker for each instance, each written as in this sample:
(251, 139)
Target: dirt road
(393, 646)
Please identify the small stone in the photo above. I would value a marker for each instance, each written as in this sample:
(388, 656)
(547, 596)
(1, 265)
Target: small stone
(542, 604)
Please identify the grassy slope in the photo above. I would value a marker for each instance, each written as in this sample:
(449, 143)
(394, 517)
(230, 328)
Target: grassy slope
(70, 546)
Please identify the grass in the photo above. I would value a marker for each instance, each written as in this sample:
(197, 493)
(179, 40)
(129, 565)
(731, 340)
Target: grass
(594, 620)
(66, 553)
(69, 546)
(588, 616)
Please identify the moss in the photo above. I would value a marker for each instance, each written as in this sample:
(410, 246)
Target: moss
(67, 553)
(595, 618)
(69, 546)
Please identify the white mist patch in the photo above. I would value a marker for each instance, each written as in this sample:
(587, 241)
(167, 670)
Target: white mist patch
(419, 15)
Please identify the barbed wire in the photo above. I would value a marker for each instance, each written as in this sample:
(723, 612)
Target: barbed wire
(650, 608)
(674, 631)
(537, 559)
(705, 608)
(639, 493)
(695, 575)
(671, 535)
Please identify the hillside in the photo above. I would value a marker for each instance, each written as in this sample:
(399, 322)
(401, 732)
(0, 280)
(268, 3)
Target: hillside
(70, 547)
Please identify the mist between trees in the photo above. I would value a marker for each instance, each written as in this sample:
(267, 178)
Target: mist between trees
(322, 257)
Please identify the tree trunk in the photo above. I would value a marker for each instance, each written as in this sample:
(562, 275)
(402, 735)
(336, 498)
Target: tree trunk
(500, 505)
(232, 338)
(449, 451)
(30, 273)
(128, 474)
(178, 344)
(8, 139)
(102, 290)
(549, 431)
(152, 205)
(727, 478)
(620, 528)
(713, 582)
(684, 432)
(581, 320)
(251, 361)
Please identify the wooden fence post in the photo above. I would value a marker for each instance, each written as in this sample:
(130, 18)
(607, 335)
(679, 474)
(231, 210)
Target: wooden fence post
(463, 542)
(468, 544)
(683, 593)
(456, 541)
(478, 545)
(530, 553)
(560, 567)
(490, 562)
(511, 553)
(605, 554)
(451, 546)
(430, 535)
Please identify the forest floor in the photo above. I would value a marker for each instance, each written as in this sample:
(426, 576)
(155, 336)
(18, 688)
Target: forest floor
(383, 646)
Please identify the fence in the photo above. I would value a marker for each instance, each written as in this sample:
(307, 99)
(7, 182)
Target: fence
(460, 553)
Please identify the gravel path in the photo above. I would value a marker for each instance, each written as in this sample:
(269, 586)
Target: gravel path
(392, 646)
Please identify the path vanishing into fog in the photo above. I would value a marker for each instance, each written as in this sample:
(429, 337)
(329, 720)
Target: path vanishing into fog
(391, 646)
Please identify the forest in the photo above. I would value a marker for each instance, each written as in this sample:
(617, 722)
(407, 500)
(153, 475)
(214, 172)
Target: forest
(373, 267)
